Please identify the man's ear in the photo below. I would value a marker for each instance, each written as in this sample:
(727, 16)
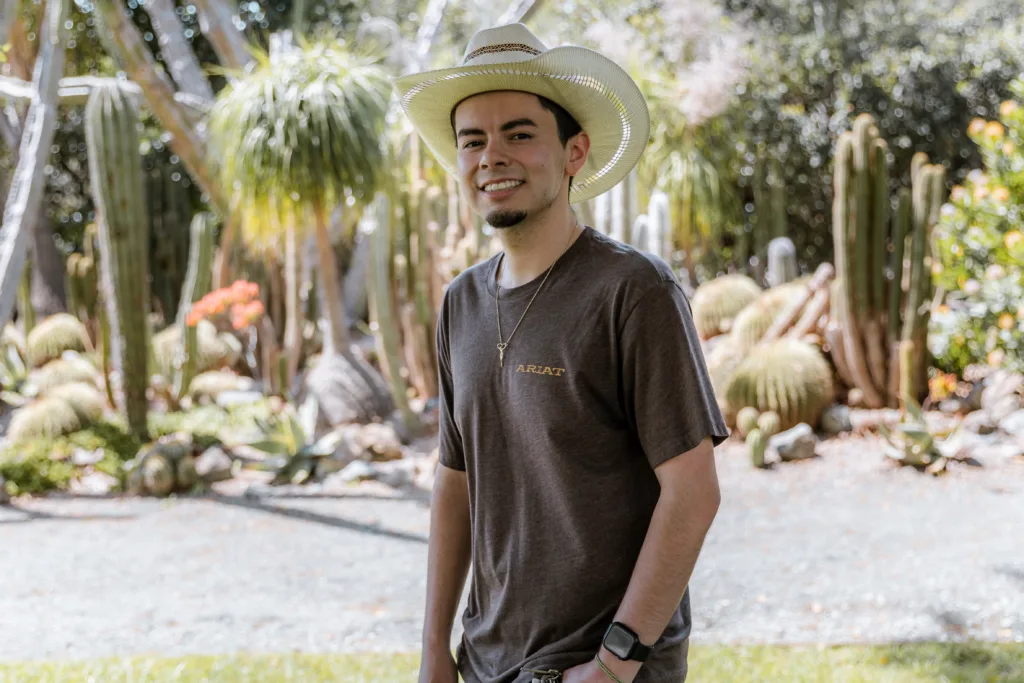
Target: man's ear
(577, 148)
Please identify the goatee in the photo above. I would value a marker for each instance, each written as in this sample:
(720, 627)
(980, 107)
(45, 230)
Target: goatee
(505, 219)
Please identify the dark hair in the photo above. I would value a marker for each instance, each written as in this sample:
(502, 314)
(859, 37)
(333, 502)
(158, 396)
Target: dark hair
(568, 127)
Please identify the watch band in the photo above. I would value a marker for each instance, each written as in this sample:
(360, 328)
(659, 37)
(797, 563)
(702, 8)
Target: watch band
(638, 652)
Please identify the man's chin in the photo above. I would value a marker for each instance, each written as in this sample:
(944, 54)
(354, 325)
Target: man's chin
(505, 218)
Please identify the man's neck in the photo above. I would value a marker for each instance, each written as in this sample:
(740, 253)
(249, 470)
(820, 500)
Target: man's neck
(531, 247)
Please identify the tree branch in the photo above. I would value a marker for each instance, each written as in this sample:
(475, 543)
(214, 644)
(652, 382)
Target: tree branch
(178, 55)
(217, 23)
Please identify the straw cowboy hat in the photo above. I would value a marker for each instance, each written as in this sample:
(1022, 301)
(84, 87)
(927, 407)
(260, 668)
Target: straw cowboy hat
(596, 91)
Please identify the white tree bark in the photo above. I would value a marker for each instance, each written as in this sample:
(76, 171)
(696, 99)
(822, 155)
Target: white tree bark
(178, 55)
(26, 194)
(8, 12)
(217, 22)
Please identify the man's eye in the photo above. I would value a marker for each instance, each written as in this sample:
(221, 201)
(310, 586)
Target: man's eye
(470, 144)
(525, 136)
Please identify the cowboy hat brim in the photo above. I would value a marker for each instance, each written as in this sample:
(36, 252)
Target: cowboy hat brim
(596, 91)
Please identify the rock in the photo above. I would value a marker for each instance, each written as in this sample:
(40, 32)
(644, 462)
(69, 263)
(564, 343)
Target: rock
(979, 422)
(185, 472)
(1001, 395)
(347, 451)
(798, 443)
(397, 473)
(952, 406)
(1013, 423)
(82, 457)
(5, 497)
(380, 442)
(213, 465)
(347, 388)
(354, 471)
(234, 397)
(94, 484)
(836, 419)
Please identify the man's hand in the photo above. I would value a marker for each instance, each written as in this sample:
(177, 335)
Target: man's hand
(590, 672)
(438, 667)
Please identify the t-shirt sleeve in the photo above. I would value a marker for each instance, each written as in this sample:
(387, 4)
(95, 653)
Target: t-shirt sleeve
(667, 389)
(450, 453)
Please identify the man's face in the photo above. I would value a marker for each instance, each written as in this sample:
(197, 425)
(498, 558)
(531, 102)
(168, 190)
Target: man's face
(511, 161)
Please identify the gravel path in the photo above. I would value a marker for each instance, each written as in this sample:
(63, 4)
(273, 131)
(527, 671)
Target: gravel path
(843, 548)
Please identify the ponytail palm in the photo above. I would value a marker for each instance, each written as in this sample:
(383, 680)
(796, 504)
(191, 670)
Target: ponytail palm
(295, 137)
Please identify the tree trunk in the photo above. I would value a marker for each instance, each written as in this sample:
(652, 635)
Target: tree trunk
(48, 295)
(26, 195)
(335, 332)
(178, 55)
(293, 312)
(217, 23)
(127, 46)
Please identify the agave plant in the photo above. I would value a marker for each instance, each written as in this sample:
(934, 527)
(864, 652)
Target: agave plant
(913, 442)
(289, 439)
(13, 374)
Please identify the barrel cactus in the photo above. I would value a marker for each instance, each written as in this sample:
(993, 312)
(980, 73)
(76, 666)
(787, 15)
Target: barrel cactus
(63, 371)
(746, 420)
(53, 336)
(757, 442)
(84, 398)
(46, 418)
(768, 422)
(785, 376)
(753, 321)
(717, 302)
(158, 475)
(115, 171)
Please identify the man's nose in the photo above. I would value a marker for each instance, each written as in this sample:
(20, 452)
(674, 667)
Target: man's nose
(494, 154)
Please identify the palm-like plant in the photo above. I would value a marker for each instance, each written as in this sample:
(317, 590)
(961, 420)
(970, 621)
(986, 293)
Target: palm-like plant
(296, 136)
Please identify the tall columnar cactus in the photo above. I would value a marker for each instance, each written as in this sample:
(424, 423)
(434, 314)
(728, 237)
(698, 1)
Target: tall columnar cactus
(168, 210)
(782, 265)
(25, 310)
(659, 225)
(197, 285)
(115, 169)
(871, 259)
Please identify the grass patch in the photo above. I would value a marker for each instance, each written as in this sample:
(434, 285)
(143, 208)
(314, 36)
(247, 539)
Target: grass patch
(912, 663)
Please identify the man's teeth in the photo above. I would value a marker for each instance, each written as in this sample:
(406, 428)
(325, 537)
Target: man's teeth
(504, 185)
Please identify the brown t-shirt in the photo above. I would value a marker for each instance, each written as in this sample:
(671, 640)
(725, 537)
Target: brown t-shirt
(604, 380)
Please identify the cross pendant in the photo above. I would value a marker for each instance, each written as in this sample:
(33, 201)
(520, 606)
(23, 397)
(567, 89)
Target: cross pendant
(501, 353)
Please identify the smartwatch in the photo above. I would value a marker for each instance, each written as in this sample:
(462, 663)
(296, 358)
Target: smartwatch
(624, 643)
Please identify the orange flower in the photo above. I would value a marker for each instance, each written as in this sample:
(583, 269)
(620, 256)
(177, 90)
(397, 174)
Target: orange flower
(1006, 321)
(1008, 148)
(1008, 108)
(995, 357)
(994, 130)
(977, 127)
(1001, 194)
(958, 193)
(1013, 238)
(980, 192)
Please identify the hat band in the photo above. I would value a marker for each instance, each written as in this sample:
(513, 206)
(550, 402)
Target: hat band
(503, 47)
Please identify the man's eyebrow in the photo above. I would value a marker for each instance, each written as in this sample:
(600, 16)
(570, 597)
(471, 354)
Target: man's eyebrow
(508, 125)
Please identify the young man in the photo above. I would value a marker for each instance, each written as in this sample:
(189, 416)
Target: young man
(577, 418)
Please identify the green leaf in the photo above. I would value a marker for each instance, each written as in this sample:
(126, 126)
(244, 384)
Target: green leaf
(326, 446)
(271, 446)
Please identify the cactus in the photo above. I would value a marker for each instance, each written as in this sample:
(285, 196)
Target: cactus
(768, 422)
(659, 226)
(53, 336)
(84, 398)
(185, 472)
(115, 170)
(48, 417)
(158, 474)
(197, 285)
(755, 320)
(717, 302)
(25, 310)
(782, 266)
(722, 362)
(757, 442)
(169, 248)
(785, 376)
(63, 371)
(746, 420)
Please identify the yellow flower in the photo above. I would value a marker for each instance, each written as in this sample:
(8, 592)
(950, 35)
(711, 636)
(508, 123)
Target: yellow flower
(977, 127)
(995, 357)
(980, 192)
(958, 193)
(1008, 148)
(994, 130)
(1008, 108)
(1001, 194)
(1013, 238)
(936, 268)
(1006, 321)
(1020, 311)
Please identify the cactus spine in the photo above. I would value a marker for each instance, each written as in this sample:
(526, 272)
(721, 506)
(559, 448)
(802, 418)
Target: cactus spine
(197, 285)
(115, 169)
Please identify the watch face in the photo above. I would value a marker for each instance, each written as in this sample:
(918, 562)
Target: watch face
(618, 642)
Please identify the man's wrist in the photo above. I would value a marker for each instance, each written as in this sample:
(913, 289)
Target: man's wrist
(626, 671)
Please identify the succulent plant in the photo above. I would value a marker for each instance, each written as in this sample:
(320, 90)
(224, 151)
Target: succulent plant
(84, 398)
(785, 376)
(768, 422)
(48, 417)
(158, 475)
(757, 442)
(53, 336)
(63, 371)
(746, 420)
(717, 302)
(212, 349)
(185, 472)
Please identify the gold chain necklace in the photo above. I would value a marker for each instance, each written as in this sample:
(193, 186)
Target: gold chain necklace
(502, 345)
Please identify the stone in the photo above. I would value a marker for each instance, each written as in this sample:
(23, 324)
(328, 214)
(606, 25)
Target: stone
(380, 442)
(348, 450)
(979, 422)
(396, 473)
(213, 465)
(354, 471)
(1001, 395)
(836, 419)
(83, 456)
(5, 497)
(952, 406)
(94, 483)
(235, 397)
(798, 443)
(1013, 423)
